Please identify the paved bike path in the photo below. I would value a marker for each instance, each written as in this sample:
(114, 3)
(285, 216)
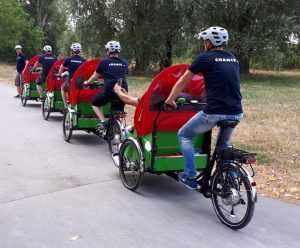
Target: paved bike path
(52, 191)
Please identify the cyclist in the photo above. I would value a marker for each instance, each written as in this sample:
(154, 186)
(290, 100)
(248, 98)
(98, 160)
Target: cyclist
(114, 70)
(21, 62)
(46, 60)
(222, 83)
(71, 64)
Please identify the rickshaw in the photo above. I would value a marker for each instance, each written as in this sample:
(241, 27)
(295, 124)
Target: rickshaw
(152, 146)
(29, 90)
(81, 116)
(53, 102)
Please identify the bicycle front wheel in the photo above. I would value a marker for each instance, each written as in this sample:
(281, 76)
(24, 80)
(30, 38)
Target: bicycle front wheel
(24, 96)
(67, 126)
(46, 109)
(115, 138)
(131, 167)
(232, 196)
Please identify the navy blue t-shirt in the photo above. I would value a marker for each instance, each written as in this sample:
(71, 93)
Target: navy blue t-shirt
(72, 63)
(113, 68)
(221, 73)
(47, 60)
(20, 62)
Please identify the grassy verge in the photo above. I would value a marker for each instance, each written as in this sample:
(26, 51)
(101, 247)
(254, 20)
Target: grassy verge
(7, 73)
(271, 127)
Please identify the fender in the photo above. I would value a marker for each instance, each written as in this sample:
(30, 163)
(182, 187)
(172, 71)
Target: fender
(253, 188)
(140, 153)
(27, 89)
(50, 97)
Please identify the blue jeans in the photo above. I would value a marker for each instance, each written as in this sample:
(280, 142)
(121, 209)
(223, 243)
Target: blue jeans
(199, 124)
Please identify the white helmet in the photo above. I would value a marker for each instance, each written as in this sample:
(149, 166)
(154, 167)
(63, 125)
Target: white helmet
(113, 46)
(217, 35)
(75, 47)
(18, 47)
(47, 48)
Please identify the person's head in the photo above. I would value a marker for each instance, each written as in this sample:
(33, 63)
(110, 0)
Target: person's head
(47, 49)
(214, 38)
(113, 48)
(18, 49)
(76, 48)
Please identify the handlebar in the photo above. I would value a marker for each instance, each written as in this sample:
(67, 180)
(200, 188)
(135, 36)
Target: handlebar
(91, 86)
(34, 70)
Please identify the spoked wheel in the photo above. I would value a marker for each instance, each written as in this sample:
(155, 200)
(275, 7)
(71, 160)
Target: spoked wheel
(115, 139)
(67, 126)
(232, 200)
(24, 96)
(131, 164)
(46, 108)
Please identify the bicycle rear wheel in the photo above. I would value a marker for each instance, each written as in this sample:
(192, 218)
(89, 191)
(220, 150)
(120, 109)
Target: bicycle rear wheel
(232, 197)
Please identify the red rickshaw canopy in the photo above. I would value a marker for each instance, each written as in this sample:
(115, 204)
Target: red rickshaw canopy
(157, 93)
(83, 73)
(52, 82)
(29, 76)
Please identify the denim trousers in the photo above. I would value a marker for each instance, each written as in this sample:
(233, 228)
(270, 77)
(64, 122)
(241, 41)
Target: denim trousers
(199, 124)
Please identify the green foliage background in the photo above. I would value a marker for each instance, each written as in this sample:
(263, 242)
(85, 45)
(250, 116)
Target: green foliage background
(155, 32)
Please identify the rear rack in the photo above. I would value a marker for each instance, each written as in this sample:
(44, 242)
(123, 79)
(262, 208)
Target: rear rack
(230, 153)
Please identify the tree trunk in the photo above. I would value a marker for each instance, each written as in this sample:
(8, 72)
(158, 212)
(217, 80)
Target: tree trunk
(244, 66)
(167, 60)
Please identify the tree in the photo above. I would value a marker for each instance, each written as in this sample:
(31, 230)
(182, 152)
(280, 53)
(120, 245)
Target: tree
(134, 21)
(16, 27)
(93, 27)
(150, 30)
(253, 25)
(49, 17)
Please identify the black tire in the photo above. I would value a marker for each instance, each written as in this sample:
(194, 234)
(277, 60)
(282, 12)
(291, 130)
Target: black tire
(131, 162)
(67, 126)
(23, 96)
(46, 110)
(235, 182)
(115, 139)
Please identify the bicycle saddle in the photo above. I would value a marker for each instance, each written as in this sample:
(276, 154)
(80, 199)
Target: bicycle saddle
(227, 123)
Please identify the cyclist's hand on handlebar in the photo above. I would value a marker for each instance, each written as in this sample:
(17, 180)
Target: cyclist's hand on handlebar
(86, 83)
(170, 105)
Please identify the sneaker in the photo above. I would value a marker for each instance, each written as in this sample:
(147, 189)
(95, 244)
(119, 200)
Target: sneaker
(17, 96)
(39, 99)
(101, 126)
(189, 182)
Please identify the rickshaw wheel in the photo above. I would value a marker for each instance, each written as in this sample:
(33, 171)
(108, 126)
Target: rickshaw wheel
(67, 126)
(23, 96)
(116, 138)
(131, 164)
(46, 108)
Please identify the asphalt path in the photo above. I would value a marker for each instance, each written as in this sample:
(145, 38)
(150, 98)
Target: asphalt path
(55, 194)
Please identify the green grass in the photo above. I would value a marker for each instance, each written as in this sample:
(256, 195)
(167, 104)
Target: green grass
(262, 156)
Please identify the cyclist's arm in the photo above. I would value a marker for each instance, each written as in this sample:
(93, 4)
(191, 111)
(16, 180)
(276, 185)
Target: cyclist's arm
(61, 69)
(94, 77)
(26, 62)
(179, 86)
(36, 65)
(122, 94)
